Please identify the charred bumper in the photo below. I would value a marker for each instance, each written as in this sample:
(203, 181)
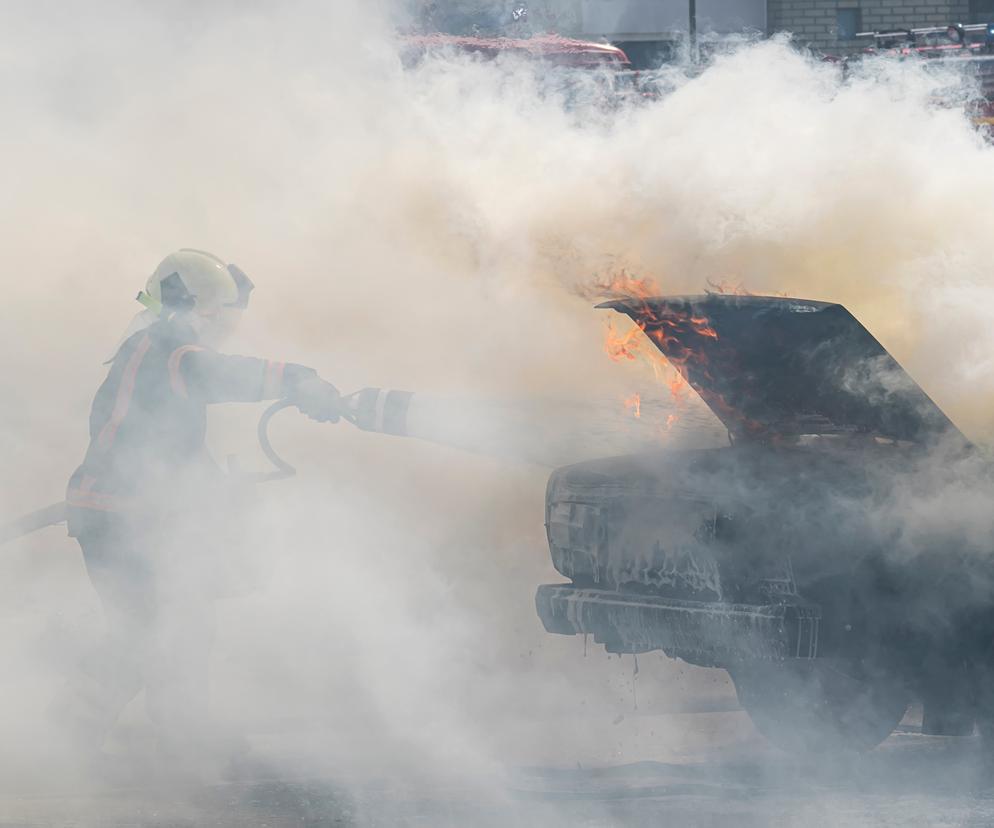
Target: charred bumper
(706, 633)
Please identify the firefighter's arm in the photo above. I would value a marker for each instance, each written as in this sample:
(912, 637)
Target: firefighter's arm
(215, 378)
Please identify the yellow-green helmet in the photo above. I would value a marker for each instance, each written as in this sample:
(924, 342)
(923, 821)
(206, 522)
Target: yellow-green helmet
(195, 280)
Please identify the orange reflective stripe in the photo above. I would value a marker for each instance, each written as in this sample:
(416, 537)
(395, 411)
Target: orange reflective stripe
(272, 383)
(175, 374)
(125, 391)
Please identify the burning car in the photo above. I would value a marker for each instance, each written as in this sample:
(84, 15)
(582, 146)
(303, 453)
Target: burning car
(786, 558)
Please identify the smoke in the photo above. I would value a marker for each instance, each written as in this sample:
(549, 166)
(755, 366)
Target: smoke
(426, 228)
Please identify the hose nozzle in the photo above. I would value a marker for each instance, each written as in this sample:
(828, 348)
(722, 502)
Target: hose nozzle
(378, 409)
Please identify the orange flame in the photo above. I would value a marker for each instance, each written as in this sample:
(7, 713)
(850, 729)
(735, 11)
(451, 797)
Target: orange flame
(622, 346)
(620, 285)
(728, 288)
(702, 327)
(667, 328)
(634, 404)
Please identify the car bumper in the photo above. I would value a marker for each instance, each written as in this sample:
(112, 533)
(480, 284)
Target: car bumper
(706, 633)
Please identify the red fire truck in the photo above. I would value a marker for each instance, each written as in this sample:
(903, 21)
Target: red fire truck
(569, 66)
(559, 51)
(966, 50)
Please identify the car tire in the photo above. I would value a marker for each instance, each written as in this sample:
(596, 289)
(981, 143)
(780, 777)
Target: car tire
(817, 706)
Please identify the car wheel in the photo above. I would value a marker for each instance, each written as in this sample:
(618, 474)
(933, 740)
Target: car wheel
(819, 705)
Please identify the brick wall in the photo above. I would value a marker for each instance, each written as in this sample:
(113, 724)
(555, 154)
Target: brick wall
(815, 22)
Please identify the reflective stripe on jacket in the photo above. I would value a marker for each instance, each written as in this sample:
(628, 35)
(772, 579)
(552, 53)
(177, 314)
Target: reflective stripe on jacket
(149, 417)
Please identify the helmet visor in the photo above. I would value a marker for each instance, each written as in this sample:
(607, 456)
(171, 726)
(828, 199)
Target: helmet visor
(244, 285)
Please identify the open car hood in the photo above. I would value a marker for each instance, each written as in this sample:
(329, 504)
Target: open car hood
(772, 367)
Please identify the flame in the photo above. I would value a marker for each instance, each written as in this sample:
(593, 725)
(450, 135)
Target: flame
(620, 285)
(678, 387)
(728, 289)
(622, 346)
(634, 404)
(634, 345)
(702, 327)
(667, 327)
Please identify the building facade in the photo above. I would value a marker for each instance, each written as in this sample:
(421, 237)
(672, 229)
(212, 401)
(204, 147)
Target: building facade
(830, 26)
(825, 25)
(653, 30)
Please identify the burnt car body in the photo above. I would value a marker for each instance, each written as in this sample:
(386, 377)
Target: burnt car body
(786, 557)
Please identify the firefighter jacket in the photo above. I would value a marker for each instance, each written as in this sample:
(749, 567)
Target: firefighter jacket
(147, 453)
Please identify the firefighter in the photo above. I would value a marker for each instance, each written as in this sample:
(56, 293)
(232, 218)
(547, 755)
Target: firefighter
(148, 504)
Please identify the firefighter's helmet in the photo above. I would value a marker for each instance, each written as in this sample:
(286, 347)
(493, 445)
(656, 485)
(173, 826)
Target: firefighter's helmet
(195, 280)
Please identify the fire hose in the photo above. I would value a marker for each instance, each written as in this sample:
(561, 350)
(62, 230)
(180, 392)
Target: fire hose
(546, 434)
(371, 409)
(282, 469)
(57, 513)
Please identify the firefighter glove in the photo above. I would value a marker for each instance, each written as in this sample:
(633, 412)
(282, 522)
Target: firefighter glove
(317, 399)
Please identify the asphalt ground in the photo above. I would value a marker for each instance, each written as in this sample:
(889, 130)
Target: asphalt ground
(909, 780)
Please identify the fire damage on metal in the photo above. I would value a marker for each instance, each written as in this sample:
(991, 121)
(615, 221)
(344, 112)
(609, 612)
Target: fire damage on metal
(769, 557)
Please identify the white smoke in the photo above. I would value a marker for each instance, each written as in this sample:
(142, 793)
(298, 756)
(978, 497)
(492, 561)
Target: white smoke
(425, 228)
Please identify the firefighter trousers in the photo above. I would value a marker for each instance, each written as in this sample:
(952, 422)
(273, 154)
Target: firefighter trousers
(159, 629)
